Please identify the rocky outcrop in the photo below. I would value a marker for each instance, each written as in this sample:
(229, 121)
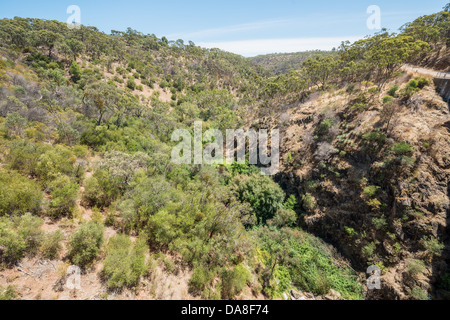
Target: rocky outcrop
(382, 195)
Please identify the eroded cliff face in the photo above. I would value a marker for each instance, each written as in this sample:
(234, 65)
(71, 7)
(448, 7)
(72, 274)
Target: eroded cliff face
(372, 174)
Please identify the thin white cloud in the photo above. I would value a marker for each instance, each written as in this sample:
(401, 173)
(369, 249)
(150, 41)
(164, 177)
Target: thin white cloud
(250, 48)
(228, 29)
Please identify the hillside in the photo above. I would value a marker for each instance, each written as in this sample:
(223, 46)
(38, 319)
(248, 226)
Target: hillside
(87, 178)
(280, 63)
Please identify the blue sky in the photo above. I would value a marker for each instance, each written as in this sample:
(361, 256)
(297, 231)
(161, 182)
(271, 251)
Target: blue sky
(247, 27)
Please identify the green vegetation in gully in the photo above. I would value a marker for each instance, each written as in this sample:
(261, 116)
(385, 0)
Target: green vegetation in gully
(235, 228)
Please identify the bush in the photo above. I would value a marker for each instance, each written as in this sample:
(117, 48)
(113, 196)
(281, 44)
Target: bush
(387, 99)
(51, 245)
(283, 218)
(7, 294)
(163, 227)
(325, 126)
(375, 136)
(12, 246)
(55, 162)
(234, 281)
(379, 223)
(369, 250)
(125, 262)
(19, 235)
(371, 191)
(131, 84)
(412, 84)
(419, 294)
(263, 195)
(15, 124)
(200, 278)
(416, 267)
(85, 243)
(402, 148)
(75, 71)
(64, 194)
(18, 195)
(433, 246)
(23, 156)
(309, 202)
(422, 82)
(393, 91)
(101, 189)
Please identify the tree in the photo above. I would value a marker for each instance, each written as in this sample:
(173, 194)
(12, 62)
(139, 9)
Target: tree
(75, 71)
(15, 124)
(75, 46)
(99, 100)
(263, 195)
(319, 69)
(388, 113)
(47, 39)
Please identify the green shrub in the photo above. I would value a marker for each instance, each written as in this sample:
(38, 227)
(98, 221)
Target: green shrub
(163, 227)
(312, 265)
(375, 136)
(234, 281)
(64, 194)
(371, 191)
(422, 82)
(51, 245)
(309, 202)
(393, 91)
(402, 148)
(432, 245)
(350, 231)
(369, 250)
(418, 293)
(200, 278)
(387, 99)
(325, 126)
(416, 267)
(12, 246)
(15, 124)
(291, 203)
(55, 162)
(413, 84)
(283, 218)
(7, 294)
(18, 194)
(19, 235)
(75, 71)
(125, 261)
(131, 84)
(85, 243)
(379, 223)
(101, 189)
(263, 195)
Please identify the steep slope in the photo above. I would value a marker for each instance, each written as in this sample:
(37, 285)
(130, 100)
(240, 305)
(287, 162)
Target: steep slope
(374, 179)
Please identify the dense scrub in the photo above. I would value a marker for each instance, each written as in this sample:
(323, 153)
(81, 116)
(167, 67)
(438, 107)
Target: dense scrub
(84, 123)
